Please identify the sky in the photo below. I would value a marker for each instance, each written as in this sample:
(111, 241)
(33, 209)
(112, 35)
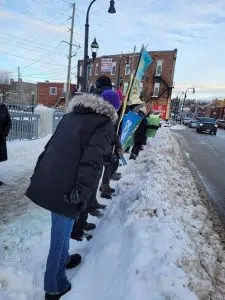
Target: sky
(32, 34)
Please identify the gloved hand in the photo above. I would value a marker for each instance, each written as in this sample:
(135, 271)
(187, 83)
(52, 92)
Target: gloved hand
(73, 197)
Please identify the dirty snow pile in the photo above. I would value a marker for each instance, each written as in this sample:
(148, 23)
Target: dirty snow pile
(154, 242)
(179, 127)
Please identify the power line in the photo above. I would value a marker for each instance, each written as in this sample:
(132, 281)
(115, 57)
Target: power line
(35, 49)
(29, 16)
(31, 38)
(23, 39)
(44, 62)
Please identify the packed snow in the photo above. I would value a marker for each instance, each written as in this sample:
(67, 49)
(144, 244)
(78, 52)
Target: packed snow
(154, 242)
(179, 127)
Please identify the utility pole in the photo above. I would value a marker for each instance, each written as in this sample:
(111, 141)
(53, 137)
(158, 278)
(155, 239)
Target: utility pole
(119, 70)
(19, 88)
(70, 57)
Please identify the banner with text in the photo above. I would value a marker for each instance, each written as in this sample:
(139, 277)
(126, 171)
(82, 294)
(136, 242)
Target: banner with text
(129, 125)
(106, 65)
(144, 62)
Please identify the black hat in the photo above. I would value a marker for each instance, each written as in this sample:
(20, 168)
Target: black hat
(103, 83)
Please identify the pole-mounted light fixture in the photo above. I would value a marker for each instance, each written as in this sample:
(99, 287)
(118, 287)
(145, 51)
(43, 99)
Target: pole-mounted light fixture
(94, 48)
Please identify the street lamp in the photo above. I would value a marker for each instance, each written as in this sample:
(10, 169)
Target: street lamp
(177, 104)
(185, 96)
(111, 10)
(94, 48)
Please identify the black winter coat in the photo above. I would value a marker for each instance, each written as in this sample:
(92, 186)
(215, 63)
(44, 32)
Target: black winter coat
(73, 158)
(5, 125)
(140, 133)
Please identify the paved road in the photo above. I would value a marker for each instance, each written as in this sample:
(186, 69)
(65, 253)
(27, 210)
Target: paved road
(206, 153)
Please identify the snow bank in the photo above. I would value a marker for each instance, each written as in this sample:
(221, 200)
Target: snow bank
(154, 242)
(178, 127)
(46, 119)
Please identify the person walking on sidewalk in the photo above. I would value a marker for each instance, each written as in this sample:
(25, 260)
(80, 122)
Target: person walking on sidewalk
(64, 178)
(5, 125)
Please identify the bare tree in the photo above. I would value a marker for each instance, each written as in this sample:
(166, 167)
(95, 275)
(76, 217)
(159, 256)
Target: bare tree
(4, 85)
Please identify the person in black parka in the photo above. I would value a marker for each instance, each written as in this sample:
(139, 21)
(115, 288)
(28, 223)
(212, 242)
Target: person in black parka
(5, 125)
(140, 133)
(65, 177)
(139, 138)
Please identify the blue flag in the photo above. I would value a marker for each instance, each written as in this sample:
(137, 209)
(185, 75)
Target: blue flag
(130, 123)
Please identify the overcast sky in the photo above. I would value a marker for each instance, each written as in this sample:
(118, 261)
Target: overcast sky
(32, 31)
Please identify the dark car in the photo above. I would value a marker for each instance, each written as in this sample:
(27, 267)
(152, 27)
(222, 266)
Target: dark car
(193, 123)
(206, 125)
(221, 124)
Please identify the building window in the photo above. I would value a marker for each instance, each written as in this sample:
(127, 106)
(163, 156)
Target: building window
(96, 69)
(127, 69)
(159, 68)
(53, 91)
(80, 72)
(125, 87)
(156, 89)
(113, 72)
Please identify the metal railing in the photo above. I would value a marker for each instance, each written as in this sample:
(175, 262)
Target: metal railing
(24, 126)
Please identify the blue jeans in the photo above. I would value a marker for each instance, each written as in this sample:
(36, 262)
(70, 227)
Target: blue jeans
(55, 281)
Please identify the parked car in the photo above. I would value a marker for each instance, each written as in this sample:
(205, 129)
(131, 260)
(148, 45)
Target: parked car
(193, 124)
(206, 125)
(165, 123)
(221, 124)
(186, 121)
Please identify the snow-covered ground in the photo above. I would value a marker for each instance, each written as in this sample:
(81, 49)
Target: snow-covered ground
(179, 127)
(154, 242)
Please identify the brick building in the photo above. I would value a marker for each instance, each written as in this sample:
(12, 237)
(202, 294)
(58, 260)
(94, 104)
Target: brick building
(157, 83)
(52, 94)
(216, 109)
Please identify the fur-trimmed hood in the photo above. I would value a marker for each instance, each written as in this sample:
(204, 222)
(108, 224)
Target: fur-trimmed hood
(95, 103)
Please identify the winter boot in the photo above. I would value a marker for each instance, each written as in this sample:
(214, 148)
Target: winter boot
(56, 297)
(133, 156)
(116, 176)
(112, 190)
(77, 235)
(100, 206)
(106, 192)
(95, 212)
(89, 226)
(74, 261)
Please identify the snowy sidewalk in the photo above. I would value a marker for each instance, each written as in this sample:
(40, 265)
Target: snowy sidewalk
(154, 242)
(15, 172)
